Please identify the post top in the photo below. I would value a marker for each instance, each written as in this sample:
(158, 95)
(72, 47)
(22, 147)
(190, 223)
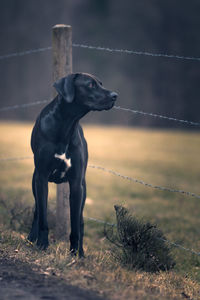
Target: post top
(61, 26)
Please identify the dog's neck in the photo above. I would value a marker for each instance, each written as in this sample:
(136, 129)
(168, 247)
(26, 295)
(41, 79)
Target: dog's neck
(71, 111)
(69, 116)
(62, 120)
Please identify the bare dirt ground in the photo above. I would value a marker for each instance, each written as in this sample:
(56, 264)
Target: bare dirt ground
(19, 281)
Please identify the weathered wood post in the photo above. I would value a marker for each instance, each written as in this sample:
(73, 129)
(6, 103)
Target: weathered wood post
(62, 66)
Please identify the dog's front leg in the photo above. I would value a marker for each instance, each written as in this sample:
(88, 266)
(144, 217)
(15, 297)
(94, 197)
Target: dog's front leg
(41, 190)
(81, 251)
(76, 196)
(33, 235)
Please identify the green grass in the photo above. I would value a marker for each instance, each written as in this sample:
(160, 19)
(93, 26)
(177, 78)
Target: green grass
(165, 158)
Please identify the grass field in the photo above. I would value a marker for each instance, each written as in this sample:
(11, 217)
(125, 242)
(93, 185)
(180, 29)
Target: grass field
(164, 158)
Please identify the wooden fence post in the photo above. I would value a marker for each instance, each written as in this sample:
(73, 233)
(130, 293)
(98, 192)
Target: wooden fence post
(62, 66)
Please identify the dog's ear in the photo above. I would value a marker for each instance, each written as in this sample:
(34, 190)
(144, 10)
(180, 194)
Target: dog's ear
(65, 87)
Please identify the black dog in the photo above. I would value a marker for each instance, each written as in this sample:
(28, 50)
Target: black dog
(60, 151)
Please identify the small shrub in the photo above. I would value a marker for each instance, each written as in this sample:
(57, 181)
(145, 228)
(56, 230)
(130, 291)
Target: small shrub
(138, 245)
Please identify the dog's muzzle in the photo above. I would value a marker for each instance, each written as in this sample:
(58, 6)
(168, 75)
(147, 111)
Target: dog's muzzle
(113, 96)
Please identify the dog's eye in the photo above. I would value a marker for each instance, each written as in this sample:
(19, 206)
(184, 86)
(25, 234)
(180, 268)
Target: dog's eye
(91, 85)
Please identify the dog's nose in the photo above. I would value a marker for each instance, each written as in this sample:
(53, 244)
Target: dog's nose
(113, 95)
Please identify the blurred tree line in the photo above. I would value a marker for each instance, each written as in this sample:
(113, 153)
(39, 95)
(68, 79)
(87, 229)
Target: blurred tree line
(160, 85)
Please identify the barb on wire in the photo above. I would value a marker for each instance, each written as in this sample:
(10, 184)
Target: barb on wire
(136, 52)
(166, 241)
(156, 116)
(24, 52)
(162, 188)
(24, 105)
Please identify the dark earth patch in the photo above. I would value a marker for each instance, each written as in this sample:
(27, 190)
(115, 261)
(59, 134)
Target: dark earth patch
(19, 281)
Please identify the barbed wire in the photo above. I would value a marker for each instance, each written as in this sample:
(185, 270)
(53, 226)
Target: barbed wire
(166, 241)
(99, 221)
(162, 188)
(31, 51)
(180, 246)
(105, 49)
(156, 116)
(15, 158)
(136, 52)
(24, 105)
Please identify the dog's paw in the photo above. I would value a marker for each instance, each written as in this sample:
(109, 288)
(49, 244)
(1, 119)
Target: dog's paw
(77, 252)
(31, 238)
(73, 252)
(42, 245)
(42, 241)
(33, 235)
(81, 253)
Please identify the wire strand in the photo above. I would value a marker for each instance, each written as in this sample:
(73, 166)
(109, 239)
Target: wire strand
(162, 188)
(166, 241)
(16, 54)
(156, 116)
(105, 49)
(24, 105)
(166, 189)
(15, 158)
(136, 52)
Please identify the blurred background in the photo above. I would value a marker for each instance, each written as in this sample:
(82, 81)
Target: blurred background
(160, 85)
(157, 154)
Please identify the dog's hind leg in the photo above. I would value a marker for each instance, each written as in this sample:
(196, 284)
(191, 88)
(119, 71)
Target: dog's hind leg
(33, 235)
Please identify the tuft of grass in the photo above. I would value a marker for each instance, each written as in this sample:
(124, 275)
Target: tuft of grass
(138, 245)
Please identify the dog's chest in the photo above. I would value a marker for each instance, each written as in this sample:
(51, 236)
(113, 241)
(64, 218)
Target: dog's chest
(60, 168)
(62, 157)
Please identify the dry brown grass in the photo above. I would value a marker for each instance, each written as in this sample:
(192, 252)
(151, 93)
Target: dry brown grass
(159, 157)
(98, 271)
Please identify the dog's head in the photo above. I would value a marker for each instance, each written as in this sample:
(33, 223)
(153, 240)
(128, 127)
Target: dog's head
(85, 90)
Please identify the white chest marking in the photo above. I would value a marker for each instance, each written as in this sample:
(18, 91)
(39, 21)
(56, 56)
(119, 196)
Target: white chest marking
(67, 161)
